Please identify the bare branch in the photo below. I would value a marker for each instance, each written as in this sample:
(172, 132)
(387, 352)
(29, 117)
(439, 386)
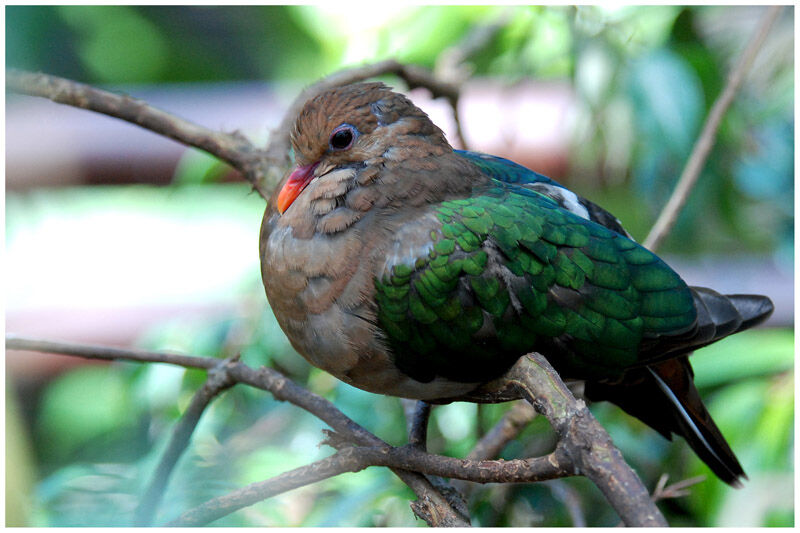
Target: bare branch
(107, 353)
(282, 388)
(216, 508)
(218, 381)
(232, 148)
(354, 459)
(585, 441)
(691, 172)
(678, 489)
(263, 168)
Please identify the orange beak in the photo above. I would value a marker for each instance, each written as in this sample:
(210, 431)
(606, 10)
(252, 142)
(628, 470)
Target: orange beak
(298, 179)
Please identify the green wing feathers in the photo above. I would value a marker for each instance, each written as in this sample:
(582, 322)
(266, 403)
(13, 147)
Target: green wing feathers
(510, 272)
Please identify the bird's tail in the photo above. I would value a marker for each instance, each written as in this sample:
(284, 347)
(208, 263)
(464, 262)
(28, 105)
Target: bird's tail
(718, 315)
(664, 397)
(691, 419)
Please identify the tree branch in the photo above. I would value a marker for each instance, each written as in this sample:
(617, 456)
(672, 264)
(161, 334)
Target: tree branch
(435, 505)
(216, 508)
(702, 147)
(107, 353)
(233, 148)
(218, 381)
(353, 459)
(585, 441)
(262, 168)
(506, 430)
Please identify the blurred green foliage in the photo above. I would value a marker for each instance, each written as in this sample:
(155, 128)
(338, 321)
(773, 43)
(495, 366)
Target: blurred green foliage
(644, 78)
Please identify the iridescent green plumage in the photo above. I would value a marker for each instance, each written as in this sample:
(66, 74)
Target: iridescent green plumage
(509, 271)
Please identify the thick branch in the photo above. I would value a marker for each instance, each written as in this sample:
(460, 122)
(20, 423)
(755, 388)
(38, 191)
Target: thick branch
(585, 441)
(691, 172)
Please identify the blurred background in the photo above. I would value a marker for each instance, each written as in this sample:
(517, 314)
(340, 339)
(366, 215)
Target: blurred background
(115, 235)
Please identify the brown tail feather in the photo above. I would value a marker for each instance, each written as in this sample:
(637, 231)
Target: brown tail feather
(664, 397)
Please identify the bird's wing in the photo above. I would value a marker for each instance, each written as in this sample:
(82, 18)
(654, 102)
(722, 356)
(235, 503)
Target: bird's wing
(509, 172)
(507, 271)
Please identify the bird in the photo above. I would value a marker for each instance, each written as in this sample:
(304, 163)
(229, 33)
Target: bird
(405, 267)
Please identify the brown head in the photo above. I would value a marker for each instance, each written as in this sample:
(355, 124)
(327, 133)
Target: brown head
(351, 126)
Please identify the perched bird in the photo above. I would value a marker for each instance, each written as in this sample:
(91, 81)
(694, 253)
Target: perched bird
(405, 267)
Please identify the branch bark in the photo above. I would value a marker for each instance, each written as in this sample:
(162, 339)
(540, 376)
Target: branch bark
(585, 441)
(262, 168)
(702, 147)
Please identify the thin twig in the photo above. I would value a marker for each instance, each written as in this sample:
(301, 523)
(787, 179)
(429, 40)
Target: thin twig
(678, 489)
(352, 459)
(218, 381)
(233, 148)
(435, 505)
(262, 168)
(506, 430)
(107, 353)
(216, 508)
(691, 172)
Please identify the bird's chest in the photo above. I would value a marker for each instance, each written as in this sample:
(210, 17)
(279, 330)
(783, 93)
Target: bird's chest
(322, 291)
(319, 289)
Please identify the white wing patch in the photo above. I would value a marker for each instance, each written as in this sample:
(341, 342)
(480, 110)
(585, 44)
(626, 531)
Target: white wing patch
(565, 198)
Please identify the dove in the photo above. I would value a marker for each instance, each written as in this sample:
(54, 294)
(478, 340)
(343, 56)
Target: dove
(407, 268)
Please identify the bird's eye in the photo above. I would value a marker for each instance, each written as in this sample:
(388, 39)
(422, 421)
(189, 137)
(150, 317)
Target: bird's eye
(342, 137)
